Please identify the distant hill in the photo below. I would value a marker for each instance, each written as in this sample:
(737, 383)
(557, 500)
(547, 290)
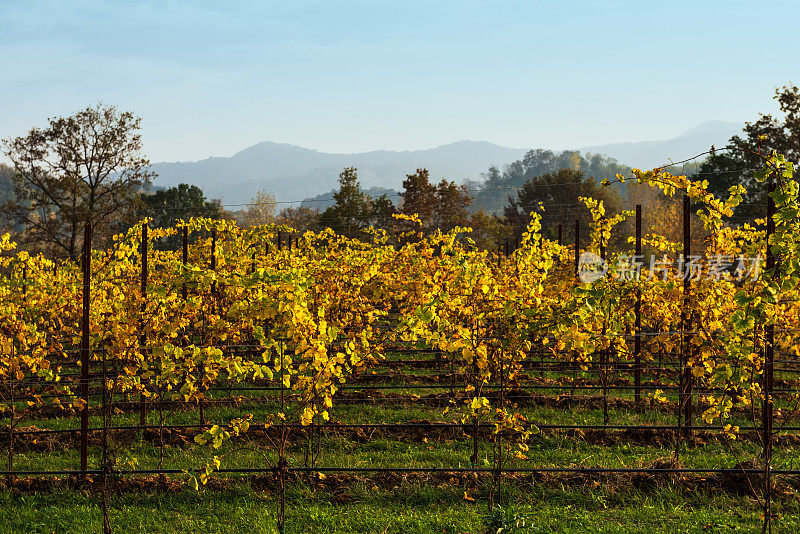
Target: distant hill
(649, 154)
(296, 173)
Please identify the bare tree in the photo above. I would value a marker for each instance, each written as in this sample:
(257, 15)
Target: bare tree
(84, 168)
(261, 209)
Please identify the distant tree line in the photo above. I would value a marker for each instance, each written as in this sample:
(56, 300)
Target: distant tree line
(736, 163)
(89, 167)
(444, 205)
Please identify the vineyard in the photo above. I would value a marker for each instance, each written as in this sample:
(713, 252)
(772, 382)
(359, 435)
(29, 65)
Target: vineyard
(208, 355)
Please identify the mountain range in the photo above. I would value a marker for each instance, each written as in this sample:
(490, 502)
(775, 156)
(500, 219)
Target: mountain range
(649, 154)
(294, 173)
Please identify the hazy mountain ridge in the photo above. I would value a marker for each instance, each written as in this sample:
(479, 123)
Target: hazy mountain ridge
(649, 154)
(294, 173)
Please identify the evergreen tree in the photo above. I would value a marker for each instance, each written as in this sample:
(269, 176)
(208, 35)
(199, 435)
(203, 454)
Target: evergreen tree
(353, 207)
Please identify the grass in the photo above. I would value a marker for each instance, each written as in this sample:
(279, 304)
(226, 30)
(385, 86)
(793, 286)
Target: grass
(548, 449)
(422, 508)
(370, 503)
(409, 506)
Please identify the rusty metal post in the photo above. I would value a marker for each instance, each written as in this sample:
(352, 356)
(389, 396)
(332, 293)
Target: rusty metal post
(214, 262)
(185, 258)
(142, 335)
(200, 403)
(24, 282)
(637, 340)
(85, 351)
(602, 245)
(769, 361)
(605, 357)
(577, 246)
(498, 475)
(686, 322)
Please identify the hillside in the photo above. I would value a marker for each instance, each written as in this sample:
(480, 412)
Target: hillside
(649, 154)
(296, 173)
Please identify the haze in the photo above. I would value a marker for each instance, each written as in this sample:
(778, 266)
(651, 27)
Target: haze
(211, 78)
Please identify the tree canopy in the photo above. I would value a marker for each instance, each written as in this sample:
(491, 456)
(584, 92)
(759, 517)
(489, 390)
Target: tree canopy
(6, 193)
(166, 206)
(726, 168)
(444, 205)
(84, 168)
(556, 197)
(491, 195)
(353, 209)
(261, 209)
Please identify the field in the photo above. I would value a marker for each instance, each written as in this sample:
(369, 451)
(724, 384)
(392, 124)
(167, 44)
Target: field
(216, 378)
(441, 501)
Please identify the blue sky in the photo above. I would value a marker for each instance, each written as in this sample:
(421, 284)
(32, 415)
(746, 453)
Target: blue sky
(210, 78)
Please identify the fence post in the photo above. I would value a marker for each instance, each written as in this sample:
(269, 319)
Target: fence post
(200, 403)
(11, 400)
(577, 246)
(767, 407)
(498, 474)
(105, 410)
(283, 465)
(560, 234)
(87, 272)
(686, 322)
(185, 258)
(214, 264)
(474, 458)
(637, 340)
(142, 335)
(605, 355)
(11, 414)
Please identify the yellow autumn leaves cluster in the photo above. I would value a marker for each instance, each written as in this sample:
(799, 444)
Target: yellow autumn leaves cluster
(310, 318)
